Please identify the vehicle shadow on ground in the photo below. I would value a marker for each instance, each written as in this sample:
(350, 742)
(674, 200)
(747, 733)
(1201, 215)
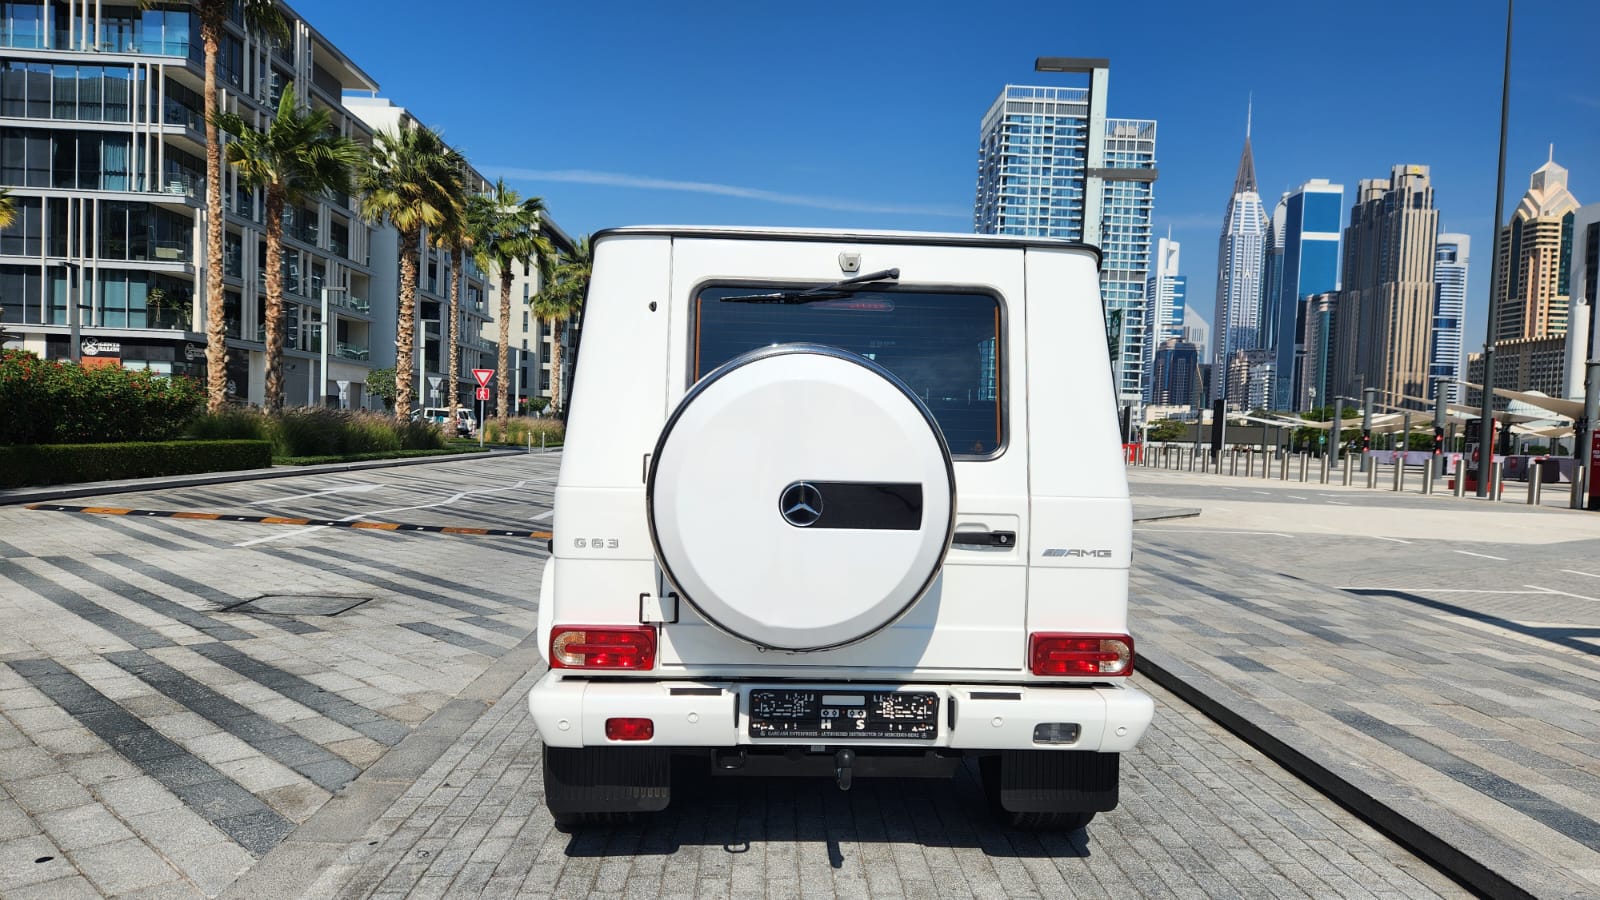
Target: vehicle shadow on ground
(736, 812)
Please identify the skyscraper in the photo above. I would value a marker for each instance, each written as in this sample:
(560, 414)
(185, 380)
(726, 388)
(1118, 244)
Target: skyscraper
(1535, 252)
(1315, 365)
(1384, 319)
(1310, 265)
(1239, 264)
(1175, 375)
(1272, 274)
(1450, 262)
(1164, 305)
(1051, 164)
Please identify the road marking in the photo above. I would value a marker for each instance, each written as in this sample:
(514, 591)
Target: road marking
(1584, 574)
(1379, 537)
(1564, 593)
(1298, 497)
(542, 516)
(378, 512)
(1209, 531)
(353, 488)
(1484, 555)
(347, 522)
(1338, 502)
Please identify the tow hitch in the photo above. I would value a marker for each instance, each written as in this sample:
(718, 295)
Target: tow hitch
(843, 761)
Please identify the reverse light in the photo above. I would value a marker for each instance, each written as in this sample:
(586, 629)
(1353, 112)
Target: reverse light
(630, 729)
(1080, 654)
(603, 647)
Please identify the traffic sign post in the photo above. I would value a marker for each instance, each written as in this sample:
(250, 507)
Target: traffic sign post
(483, 376)
(344, 394)
(483, 393)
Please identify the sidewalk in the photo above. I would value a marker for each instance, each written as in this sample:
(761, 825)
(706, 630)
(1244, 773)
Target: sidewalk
(1415, 680)
(47, 493)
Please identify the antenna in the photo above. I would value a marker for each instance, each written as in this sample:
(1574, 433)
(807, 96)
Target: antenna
(1552, 153)
(1249, 111)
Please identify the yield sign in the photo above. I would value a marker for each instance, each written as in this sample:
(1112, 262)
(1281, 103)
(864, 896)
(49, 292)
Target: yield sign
(483, 376)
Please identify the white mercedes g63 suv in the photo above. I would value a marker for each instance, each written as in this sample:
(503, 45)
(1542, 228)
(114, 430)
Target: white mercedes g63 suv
(840, 504)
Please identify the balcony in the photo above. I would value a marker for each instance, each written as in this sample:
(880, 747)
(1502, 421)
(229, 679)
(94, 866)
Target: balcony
(351, 351)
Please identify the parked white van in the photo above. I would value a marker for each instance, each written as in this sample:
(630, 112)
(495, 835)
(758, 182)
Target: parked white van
(841, 504)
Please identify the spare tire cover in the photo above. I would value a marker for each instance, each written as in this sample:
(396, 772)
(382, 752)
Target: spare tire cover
(801, 497)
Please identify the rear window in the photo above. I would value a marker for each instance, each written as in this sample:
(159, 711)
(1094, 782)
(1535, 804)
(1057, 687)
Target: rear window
(944, 345)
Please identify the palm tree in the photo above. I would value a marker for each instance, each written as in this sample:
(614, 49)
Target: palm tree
(559, 301)
(260, 15)
(455, 237)
(411, 180)
(8, 208)
(506, 231)
(298, 155)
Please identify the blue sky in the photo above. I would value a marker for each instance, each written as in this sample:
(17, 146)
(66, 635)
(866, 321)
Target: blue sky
(866, 114)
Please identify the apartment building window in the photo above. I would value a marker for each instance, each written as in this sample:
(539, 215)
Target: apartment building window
(45, 91)
(339, 238)
(22, 294)
(524, 321)
(25, 237)
(140, 231)
(24, 24)
(82, 160)
(232, 255)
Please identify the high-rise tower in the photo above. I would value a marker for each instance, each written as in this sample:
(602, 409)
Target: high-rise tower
(1165, 299)
(1051, 164)
(1535, 250)
(1309, 226)
(1239, 263)
(1450, 262)
(1384, 318)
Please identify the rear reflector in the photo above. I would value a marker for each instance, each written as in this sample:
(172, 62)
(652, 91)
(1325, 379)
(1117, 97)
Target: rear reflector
(630, 729)
(603, 647)
(1080, 654)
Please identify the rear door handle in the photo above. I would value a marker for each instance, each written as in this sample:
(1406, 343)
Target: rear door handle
(975, 539)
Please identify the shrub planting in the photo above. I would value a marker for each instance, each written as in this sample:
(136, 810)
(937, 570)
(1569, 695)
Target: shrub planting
(44, 401)
(39, 464)
(322, 433)
(519, 430)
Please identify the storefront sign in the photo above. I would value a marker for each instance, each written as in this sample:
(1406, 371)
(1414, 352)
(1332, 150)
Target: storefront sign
(93, 347)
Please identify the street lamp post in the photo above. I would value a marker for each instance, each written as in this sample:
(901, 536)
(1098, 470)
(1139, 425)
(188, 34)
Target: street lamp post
(322, 389)
(1486, 454)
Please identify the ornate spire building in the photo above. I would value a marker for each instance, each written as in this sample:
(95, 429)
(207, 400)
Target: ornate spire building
(1535, 251)
(1239, 261)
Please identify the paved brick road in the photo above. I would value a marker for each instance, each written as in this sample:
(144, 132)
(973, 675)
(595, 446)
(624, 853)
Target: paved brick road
(1448, 671)
(165, 731)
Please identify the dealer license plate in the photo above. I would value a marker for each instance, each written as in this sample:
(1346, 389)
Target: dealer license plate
(897, 715)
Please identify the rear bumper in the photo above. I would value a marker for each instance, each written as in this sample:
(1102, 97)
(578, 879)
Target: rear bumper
(571, 712)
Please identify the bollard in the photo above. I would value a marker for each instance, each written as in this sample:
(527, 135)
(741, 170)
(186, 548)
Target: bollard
(1192, 455)
(1372, 476)
(1305, 466)
(1427, 475)
(1266, 466)
(1496, 473)
(1205, 462)
(1460, 488)
(1283, 467)
(1535, 482)
(1349, 472)
(1233, 463)
(1578, 498)
(1325, 472)
(1399, 476)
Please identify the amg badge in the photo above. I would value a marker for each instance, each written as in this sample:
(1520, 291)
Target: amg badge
(1089, 554)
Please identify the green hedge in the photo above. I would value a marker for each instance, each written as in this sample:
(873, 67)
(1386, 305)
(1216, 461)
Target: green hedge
(366, 457)
(48, 402)
(37, 464)
(319, 432)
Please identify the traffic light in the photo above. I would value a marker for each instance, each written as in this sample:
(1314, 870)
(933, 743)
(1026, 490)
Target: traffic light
(1438, 441)
(1366, 440)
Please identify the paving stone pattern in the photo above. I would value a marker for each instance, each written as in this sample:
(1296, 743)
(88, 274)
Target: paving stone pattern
(1202, 815)
(156, 739)
(1472, 712)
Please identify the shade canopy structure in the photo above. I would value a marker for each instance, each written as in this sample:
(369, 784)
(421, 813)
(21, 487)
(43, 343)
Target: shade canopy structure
(1566, 409)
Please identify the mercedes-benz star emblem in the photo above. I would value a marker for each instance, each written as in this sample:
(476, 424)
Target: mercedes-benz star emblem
(801, 504)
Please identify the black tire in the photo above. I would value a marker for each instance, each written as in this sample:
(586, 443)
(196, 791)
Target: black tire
(989, 775)
(1058, 821)
(569, 822)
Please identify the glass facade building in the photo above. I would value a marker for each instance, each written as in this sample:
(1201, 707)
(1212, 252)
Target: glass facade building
(102, 145)
(1166, 300)
(1241, 262)
(1310, 265)
(1051, 165)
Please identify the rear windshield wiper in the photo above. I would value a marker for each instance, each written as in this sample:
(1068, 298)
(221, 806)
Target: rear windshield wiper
(821, 292)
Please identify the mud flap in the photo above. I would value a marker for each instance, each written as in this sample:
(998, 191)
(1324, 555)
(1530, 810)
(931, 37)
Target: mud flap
(1058, 781)
(580, 780)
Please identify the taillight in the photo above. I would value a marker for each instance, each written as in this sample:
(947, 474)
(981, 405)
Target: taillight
(630, 729)
(603, 647)
(1080, 654)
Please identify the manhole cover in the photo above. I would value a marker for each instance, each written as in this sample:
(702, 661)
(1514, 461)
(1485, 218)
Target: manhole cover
(300, 604)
